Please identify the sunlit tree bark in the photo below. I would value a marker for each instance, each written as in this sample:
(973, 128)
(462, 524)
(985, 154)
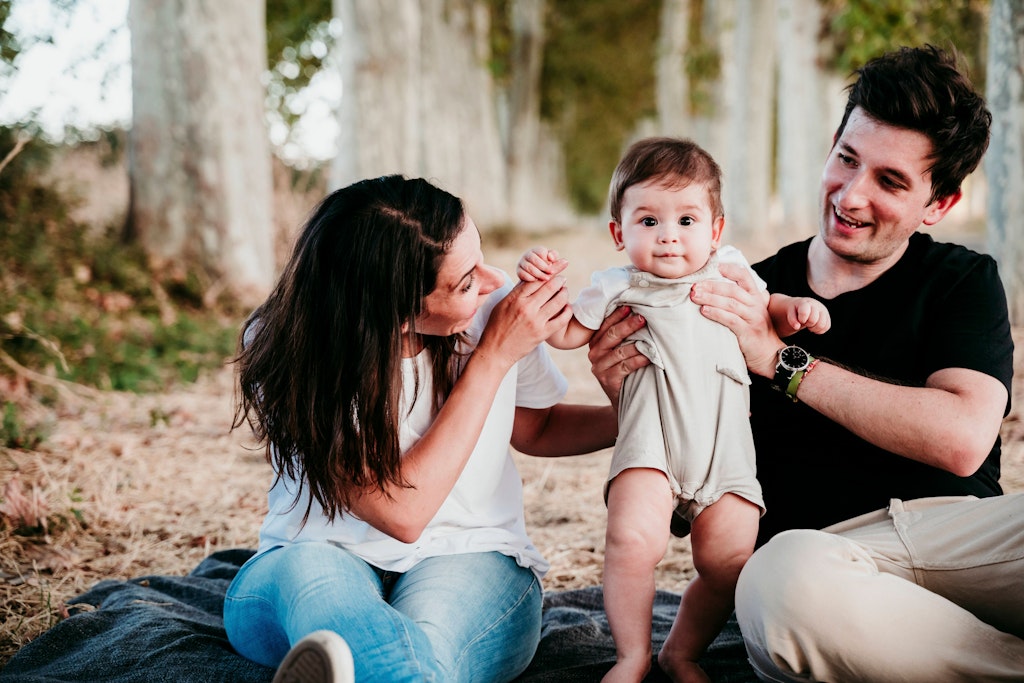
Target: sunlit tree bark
(748, 70)
(803, 139)
(1004, 162)
(535, 163)
(673, 95)
(418, 99)
(201, 187)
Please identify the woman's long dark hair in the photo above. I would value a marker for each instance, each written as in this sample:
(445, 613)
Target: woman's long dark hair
(319, 362)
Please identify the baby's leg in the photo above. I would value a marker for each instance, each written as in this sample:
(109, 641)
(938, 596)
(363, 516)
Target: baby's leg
(639, 507)
(722, 539)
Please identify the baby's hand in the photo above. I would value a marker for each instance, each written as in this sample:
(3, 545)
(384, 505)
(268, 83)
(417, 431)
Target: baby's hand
(810, 314)
(538, 264)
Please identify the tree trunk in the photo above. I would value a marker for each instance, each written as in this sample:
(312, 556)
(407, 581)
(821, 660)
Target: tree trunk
(201, 179)
(673, 96)
(803, 140)
(711, 126)
(1004, 163)
(419, 100)
(748, 80)
(536, 166)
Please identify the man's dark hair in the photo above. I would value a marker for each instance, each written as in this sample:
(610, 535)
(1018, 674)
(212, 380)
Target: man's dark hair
(923, 89)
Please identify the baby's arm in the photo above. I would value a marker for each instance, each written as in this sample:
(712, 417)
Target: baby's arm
(573, 336)
(541, 263)
(791, 314)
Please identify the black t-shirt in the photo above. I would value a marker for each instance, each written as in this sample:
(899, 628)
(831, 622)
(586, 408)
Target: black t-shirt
(940, 306)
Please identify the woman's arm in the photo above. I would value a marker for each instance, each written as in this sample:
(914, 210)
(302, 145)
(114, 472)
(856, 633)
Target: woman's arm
(564, 429)
(431, 467)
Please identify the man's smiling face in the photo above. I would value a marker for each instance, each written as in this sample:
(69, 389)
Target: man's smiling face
(876, 190)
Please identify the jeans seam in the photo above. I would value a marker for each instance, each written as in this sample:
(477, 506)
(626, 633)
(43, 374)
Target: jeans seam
(512, 608)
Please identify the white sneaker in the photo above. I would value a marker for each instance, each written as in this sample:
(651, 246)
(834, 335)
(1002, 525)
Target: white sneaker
(320, 657)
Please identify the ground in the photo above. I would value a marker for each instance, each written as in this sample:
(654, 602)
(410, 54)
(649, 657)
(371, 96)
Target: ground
(133, 485)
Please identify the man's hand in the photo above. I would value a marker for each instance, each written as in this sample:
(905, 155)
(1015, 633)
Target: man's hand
(740, 306)
(610, 360)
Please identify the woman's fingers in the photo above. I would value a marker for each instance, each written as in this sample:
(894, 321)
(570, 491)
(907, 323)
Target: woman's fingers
(528, 315)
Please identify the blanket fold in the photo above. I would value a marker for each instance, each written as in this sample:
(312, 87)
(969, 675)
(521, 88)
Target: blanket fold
(170, 628)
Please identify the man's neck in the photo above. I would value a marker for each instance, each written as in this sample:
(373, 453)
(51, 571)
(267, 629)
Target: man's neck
(829, 275)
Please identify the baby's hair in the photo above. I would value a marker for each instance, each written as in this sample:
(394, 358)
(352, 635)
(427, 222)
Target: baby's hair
(674, 161)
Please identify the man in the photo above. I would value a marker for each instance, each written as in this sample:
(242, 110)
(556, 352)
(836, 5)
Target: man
(890, 421)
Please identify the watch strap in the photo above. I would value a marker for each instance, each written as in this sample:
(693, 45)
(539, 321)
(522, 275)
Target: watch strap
(794, 384)
(798, 378)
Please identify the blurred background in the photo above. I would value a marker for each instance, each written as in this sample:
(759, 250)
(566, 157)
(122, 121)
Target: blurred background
(156, 156)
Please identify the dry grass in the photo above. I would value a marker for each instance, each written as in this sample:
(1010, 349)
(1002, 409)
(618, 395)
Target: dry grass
(133, 485)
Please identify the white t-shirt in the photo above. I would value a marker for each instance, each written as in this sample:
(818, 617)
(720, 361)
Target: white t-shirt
(483, 512)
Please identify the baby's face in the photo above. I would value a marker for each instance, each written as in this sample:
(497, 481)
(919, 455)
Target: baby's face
(667, 230)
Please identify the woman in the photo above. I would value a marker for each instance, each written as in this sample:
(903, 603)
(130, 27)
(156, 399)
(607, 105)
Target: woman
(386, 376)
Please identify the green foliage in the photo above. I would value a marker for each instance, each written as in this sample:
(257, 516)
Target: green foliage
(299, 38)
(9, 46)
(501, 40)
(15, 432)
(598, 81)
(862, 29)
(78, 304)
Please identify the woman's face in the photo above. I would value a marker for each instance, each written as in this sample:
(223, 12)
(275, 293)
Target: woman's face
(463, 282)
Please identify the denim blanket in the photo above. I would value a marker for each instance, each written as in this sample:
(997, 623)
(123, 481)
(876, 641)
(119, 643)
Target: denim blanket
(169, 628)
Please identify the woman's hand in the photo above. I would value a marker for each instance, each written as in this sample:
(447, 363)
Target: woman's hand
(528, 315)
(740, 306)
(610, 360)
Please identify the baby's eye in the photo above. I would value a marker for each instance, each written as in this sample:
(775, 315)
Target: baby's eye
(686, 220)
(649, 221)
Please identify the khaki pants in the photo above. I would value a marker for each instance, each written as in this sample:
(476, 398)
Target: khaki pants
(928, 590)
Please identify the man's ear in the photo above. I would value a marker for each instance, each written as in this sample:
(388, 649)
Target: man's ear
(938, 209)
(616, 230)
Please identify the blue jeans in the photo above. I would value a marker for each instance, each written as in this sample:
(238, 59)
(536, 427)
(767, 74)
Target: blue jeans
(470, 617)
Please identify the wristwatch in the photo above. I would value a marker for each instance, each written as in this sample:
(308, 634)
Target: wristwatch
(793, 363)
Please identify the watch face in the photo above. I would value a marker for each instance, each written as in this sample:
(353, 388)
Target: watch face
(793, 358)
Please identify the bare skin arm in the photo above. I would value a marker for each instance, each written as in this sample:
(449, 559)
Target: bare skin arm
(540, 264)
(518, 323)
(791, 314)
(950, 423)
(574, 335)
(564, 429)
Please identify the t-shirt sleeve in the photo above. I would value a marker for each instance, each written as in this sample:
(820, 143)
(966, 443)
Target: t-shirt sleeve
(539, 383)
(591, 305)
(972, 327)
(730, 254)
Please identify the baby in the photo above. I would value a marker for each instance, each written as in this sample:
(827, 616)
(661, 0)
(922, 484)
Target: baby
(685, 455)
